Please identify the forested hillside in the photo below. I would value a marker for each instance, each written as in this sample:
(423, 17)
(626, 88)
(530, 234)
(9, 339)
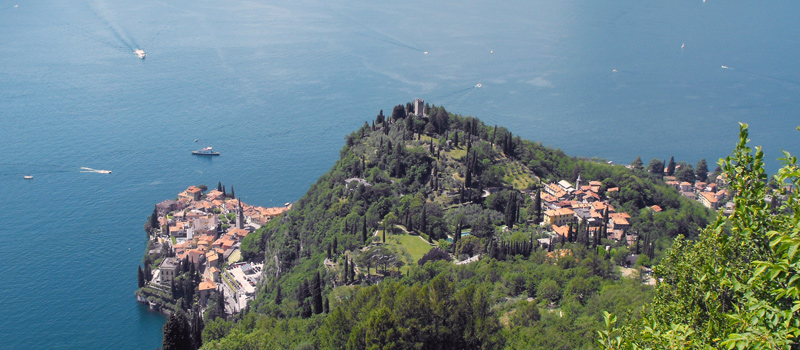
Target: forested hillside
(367, 258)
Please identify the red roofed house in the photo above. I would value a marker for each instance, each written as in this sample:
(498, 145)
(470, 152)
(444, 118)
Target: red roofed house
(192, 192)
(561, 231)
(206, 288)
(709, 200)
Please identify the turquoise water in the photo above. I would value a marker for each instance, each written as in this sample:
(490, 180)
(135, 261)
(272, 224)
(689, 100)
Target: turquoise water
(275, 87)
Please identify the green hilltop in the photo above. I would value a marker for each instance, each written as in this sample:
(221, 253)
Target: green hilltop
(427, 233)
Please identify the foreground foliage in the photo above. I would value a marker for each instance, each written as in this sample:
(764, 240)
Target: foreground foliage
(738, 285)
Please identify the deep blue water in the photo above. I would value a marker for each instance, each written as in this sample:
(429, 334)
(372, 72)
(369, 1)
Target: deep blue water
(275, 87)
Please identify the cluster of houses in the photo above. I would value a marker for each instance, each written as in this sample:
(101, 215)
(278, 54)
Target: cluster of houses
(711, 195)
(564, 204)
(197, 228)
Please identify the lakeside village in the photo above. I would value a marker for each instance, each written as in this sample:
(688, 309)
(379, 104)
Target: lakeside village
(200, 233)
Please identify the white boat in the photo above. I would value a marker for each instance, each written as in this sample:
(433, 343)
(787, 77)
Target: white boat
(479, 85)
(725, 67)
(140, 53)
(426, 52)
(28, 177)
(683, 45)
(103, 171)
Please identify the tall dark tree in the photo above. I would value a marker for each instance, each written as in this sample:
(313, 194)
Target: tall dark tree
(671, 166)
(364, 230)
(221, 303)
(399, 112)
(154, 220)
(537, 204)
(701, 171)
(140, 277)
(510, 211)
(219, 186)
(278, 295)
(232, 193)
(177, 333)
(424, 221)
(197, 326)
(316, 293)
(637, 164)
(148, 275)
(686, 173)
(305, 309)
(335, 246)
(656, 167)
(327, 306)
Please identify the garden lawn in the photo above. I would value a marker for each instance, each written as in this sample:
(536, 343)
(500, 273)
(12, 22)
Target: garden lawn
(410, 247)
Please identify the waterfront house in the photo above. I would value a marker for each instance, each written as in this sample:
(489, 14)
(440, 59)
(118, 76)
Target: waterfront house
(168, 270)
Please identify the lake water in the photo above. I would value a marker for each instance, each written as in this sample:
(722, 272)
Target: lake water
(275, 87)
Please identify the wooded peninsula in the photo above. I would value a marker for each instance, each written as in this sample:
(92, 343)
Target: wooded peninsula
(436, 231)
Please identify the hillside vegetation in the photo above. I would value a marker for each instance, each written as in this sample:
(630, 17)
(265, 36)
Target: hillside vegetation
(342, 273)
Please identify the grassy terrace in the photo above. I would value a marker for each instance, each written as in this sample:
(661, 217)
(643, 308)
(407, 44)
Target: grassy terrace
(410, 247)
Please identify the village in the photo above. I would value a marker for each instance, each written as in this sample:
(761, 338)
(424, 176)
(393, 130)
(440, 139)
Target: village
(202, 232)
(566, 207)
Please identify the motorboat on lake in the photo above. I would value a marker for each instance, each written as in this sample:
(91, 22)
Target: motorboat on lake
(208, 151)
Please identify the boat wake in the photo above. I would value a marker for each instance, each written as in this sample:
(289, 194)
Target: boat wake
(90, 170)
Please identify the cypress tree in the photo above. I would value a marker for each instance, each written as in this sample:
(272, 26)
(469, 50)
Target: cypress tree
(424, 222)
(316, 293)
(221, 303)
(140, 277)
(176, 333)
(326, 307)
(335, 245)
(232, 194)
(154, 220)
(278, 295)
(219, 186)
(306, 309)
(364, 230)
(671, 166)
(509, 213)
(148, 275)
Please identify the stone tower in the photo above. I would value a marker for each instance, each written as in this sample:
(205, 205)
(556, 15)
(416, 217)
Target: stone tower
(239, 215)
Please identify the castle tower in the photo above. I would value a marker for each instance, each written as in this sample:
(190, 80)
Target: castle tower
(419, 107)
(578, 183)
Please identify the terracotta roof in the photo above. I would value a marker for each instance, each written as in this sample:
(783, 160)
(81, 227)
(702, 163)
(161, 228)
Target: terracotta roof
(710, 197)
(207, 285)
(561, 230)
